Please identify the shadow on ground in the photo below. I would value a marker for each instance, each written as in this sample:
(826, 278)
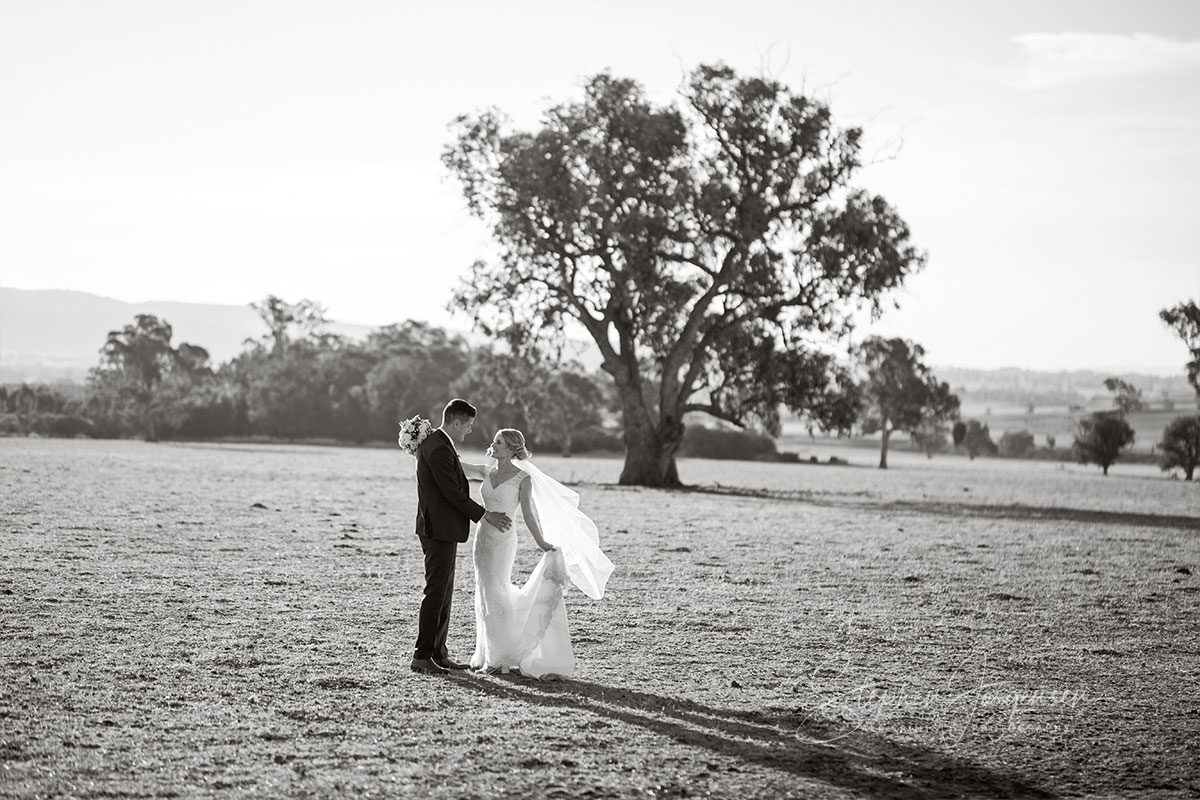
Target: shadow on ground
(959, 510)
(807, 747)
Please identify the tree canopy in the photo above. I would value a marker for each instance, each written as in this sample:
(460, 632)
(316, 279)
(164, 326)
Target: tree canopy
(1180, 445)
(298, 381)
(1100, 438)
(714, 250)
(142, 376)
(1184, 319)
(902, 393)
(1126, 397)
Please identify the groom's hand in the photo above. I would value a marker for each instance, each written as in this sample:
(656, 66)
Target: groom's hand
(498, 520)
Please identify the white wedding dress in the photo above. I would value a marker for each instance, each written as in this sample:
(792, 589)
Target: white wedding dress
(518, 626)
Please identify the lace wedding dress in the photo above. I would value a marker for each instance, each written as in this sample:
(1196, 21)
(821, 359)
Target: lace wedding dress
(517, 626)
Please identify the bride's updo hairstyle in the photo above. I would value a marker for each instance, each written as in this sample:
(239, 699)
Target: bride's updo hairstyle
(516, 443)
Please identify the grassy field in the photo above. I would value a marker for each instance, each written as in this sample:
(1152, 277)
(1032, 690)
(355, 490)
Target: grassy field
(218, 620)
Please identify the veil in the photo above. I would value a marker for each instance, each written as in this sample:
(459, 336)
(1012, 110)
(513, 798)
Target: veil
(570, 530)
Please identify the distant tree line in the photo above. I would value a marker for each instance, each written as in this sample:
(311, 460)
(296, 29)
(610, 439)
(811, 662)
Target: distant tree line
(44, 410)
(1102, 437)
(300, 382)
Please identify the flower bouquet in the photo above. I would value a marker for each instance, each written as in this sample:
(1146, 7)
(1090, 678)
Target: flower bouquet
(412, 433)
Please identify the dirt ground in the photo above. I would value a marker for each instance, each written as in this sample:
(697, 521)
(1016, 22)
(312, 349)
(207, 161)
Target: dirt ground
(218, 620)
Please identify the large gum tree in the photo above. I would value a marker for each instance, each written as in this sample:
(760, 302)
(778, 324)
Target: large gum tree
(1184, 319)
(713, 249)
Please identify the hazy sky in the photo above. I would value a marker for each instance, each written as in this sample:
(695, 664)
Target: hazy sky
(1046, 154)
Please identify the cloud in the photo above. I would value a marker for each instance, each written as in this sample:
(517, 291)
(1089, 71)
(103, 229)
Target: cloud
(1055, 59)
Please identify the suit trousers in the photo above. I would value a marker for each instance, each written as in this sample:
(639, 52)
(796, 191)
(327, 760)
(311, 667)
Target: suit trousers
(433, 623)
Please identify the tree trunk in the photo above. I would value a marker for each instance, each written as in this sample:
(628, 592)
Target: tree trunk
(652, 437)
(650, 458)
(1105, 468)
(883, 449)
(566, 444)
(649, 448)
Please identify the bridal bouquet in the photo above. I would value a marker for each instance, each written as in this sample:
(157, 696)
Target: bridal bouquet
(412, 433)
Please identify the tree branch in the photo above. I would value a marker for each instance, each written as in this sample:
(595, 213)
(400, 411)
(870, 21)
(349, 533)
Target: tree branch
(715, 411)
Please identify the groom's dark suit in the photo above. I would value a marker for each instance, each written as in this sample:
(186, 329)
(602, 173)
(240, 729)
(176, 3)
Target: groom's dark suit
(445, 511)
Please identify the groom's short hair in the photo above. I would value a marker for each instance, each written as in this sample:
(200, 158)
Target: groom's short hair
(457, 410)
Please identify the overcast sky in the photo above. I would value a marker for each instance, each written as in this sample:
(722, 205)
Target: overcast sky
(1046, 154)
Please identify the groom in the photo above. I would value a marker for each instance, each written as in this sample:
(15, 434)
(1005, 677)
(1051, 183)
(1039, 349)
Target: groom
(445, 512)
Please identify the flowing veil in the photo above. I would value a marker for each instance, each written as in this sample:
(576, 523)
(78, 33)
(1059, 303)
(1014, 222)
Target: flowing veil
(569, 529)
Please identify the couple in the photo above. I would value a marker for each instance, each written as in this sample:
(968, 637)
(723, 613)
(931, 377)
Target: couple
(517, 627)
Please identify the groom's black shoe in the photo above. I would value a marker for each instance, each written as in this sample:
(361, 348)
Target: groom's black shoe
(445, 662)
(428, 667)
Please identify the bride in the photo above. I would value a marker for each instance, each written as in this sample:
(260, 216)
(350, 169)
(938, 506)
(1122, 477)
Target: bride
(525, 627)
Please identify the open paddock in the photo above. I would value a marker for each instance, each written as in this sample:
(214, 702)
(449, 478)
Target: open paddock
(229, 620)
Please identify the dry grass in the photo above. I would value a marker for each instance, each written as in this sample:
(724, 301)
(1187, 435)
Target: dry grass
(943, 629)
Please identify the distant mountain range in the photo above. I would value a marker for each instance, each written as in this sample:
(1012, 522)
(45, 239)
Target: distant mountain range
(53, 336)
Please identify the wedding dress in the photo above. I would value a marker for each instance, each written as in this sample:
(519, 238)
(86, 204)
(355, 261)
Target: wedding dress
(518, 626)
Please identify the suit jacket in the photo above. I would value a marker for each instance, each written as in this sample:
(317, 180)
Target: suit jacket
(445, 509)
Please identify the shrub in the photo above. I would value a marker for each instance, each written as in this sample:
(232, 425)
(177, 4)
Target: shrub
(597, 438)
(700, 442)
(67, 426)
(978, 439)
(1180, 445)
(1016, 444)
(10, 424)
(586, 440)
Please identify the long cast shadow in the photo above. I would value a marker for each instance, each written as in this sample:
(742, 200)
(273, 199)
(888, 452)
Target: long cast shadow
(959, 510)
(811, 747)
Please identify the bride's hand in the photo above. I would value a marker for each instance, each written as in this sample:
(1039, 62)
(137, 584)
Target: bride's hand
(546, 547)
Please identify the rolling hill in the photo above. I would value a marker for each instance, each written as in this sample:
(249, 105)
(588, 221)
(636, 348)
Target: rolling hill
(52, 335)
